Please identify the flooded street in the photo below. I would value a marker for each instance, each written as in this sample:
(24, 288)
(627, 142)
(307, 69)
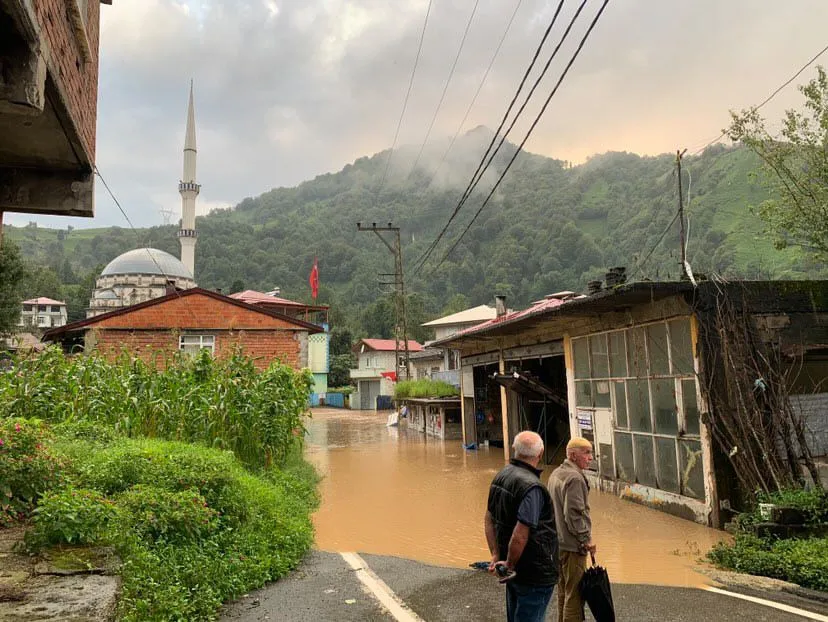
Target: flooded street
(394, 492)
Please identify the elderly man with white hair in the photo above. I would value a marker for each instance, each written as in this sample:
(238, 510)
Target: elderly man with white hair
(520, 532)
(570, 497)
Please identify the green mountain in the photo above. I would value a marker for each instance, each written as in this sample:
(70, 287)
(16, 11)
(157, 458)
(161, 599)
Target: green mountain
(549, 227)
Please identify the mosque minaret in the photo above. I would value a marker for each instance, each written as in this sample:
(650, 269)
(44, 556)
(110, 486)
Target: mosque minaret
(188, 188)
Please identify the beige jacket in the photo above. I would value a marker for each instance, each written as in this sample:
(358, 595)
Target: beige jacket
(570, 498)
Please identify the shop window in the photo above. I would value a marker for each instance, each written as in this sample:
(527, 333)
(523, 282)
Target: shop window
(624, 463)
(664, 405)
(580, 351)
(692, 473)
(690, 407)
(668, 477)
(681, 348)
(193, 344)
(599, 356)
(636, 353)
(583, 393)
(657, 349)
(601, 393)
(645, 472)
(639, 406)
(620, 404)
(617, 354)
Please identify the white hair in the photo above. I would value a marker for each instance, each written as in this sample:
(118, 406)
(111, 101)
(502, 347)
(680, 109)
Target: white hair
(528, 445)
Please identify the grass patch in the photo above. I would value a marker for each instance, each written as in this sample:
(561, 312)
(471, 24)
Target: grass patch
(425, 387)
(802, 561)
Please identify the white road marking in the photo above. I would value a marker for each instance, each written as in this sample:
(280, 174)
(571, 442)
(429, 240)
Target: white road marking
(380, 590)
(767, 603)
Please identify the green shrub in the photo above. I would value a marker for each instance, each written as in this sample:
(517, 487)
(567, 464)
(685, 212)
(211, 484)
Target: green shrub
(70, 516)
(813, 504)
(804, 561)
(27, 468)
(156, 515)
(424, 387)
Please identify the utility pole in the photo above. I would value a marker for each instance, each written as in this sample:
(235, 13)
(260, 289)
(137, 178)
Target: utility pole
(682, 234)
(400, 321)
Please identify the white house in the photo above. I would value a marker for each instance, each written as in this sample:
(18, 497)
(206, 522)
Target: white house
(43, 313)
(376, 370)
(448, 326)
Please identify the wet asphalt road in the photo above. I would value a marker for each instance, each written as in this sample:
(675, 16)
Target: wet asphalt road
(323, 587)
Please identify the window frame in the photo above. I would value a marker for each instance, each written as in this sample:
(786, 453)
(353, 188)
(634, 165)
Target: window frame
(203, 340)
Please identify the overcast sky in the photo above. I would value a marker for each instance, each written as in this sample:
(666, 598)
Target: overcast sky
(289, 89)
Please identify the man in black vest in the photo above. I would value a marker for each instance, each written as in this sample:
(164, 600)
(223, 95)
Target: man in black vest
(520, 532)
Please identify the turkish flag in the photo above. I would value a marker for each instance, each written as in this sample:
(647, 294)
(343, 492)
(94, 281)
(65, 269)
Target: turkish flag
(314, 279)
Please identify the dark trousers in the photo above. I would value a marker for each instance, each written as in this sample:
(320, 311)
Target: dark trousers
(527, 603)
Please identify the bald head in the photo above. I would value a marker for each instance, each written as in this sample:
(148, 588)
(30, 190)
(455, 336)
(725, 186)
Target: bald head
(528, 446)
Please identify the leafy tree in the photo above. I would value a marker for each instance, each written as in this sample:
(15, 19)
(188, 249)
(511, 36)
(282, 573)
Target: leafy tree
(12, 272)
(795, 167)
(339, 373)
(455, 304)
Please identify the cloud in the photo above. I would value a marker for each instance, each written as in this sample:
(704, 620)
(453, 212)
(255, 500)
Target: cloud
(288, 89)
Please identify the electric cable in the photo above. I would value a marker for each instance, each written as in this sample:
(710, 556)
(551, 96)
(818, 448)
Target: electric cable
(529, 132)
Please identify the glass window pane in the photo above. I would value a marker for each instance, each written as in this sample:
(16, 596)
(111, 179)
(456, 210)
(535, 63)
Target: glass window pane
(668, 478)
(580, 352)
(681, 347)
(644, 460)
(621, 404)
(636, 353)
(600, 358)
(617, 354)
(624, 465)
(638, 399)
(583, 393)
(602, 393)
(657, 347)
(664, 404)
(692, 421)
(692, 472)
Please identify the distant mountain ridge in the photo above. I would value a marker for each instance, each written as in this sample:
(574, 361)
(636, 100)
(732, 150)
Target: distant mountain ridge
(550, 227)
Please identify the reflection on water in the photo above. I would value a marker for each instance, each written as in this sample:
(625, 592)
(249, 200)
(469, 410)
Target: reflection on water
(393, 492)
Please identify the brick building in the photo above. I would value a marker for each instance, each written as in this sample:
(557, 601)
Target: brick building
(48, 105)
(189, 321)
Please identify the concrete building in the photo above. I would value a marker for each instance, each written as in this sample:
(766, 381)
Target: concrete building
(190, 321)
(376, 371)
(452, 324)
(659, 376)
(48, 105)
(41, 313)
(145, 273)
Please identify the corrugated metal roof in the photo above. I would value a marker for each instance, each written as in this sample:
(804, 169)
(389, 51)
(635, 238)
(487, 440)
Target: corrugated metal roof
(43, 301)
(480, 313)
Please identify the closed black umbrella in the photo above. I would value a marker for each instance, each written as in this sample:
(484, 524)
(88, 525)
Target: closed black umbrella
(596, 592)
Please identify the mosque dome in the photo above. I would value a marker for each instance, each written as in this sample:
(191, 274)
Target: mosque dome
(147, 261)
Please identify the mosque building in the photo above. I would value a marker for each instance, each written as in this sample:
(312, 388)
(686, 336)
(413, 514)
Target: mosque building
(146, 273)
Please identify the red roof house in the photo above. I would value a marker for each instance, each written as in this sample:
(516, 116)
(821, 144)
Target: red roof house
(188, 321)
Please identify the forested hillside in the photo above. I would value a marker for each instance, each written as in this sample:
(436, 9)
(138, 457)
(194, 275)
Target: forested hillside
(549, 227)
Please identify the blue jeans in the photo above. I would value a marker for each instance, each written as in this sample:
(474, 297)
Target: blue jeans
(527, 603)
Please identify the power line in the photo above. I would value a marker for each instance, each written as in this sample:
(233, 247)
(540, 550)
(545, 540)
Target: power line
(529, 132)
(407, 95)
(424, 257)
(771, 96)
(477, 92)
(445, 88)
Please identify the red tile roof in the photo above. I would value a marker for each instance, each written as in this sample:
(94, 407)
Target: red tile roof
(538, 307)
(385, 345)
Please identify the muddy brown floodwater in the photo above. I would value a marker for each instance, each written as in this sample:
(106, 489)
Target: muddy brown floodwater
(393, 491)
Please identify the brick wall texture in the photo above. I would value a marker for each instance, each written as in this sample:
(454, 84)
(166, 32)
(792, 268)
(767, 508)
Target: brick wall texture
(152, 332)
(76, 79)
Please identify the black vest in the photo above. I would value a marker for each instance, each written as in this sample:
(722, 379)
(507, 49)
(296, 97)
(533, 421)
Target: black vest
(538, 565)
